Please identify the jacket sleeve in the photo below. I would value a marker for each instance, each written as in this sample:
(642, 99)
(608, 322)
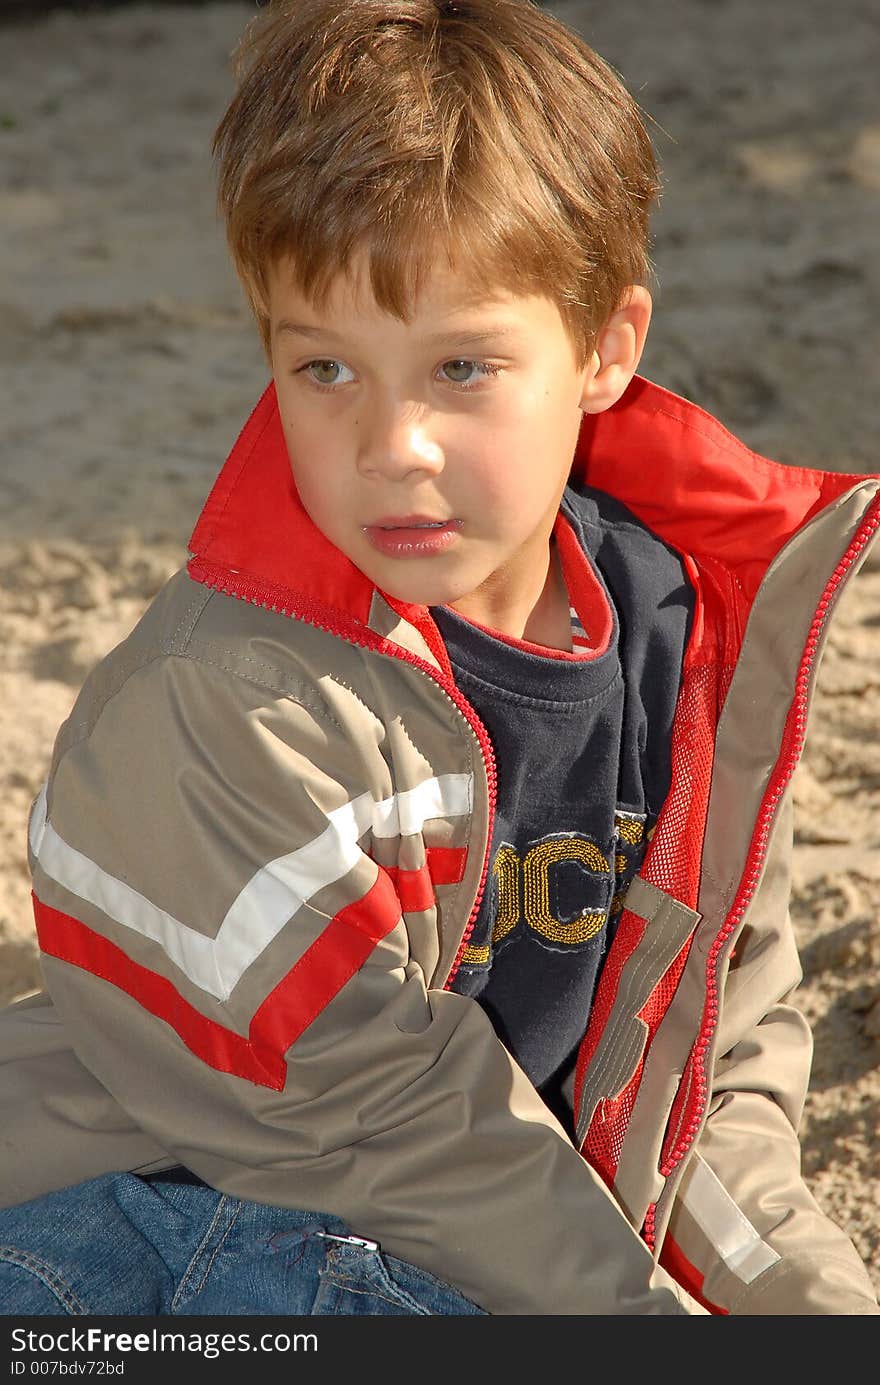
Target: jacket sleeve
(233, 969)
(745, 1231)
(60, 1126)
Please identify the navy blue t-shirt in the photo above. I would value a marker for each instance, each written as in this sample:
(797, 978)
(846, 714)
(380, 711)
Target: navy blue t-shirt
(583, 756)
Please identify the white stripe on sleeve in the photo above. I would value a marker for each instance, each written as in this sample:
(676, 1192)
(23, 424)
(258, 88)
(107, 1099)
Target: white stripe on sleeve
(269, 899)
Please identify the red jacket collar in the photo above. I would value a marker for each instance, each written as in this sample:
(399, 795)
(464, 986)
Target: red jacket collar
(676, 467)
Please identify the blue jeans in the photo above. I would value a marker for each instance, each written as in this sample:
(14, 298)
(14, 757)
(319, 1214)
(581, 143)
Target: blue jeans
(122, 1245)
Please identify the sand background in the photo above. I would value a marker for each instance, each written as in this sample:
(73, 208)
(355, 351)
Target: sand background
(128, 364)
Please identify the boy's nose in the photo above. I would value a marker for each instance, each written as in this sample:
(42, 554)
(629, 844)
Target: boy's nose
(395, 441)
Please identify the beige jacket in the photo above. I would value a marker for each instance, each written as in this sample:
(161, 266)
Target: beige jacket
(256, 861)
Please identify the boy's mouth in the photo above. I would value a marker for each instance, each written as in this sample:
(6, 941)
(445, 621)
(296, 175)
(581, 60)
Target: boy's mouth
(412, 536)
(409, 522)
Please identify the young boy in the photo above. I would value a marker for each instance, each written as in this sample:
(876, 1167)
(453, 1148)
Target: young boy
(412, 883)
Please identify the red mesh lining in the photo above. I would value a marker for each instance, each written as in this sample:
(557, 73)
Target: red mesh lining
(674, 855)
(672, 864)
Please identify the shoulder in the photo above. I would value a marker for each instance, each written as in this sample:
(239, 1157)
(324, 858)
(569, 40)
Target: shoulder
(202, 659)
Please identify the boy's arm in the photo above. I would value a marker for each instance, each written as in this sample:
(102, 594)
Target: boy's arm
(259, 1013)
(753, 1238)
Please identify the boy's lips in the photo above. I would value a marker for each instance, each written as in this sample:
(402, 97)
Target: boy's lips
(412, 536)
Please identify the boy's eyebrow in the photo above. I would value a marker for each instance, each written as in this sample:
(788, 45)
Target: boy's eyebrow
(297, 329)
(474, 338)
(301, 329)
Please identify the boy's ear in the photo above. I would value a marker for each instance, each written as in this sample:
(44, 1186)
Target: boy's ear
(618, 351)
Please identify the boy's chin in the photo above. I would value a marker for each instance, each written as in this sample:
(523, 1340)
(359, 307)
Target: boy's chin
(421, 589)
(416, 594)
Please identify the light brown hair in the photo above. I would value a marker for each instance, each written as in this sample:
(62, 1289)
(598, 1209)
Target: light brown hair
(483, 129)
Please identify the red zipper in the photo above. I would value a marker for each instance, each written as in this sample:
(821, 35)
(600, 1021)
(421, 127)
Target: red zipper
(794, 735)
(273, 599)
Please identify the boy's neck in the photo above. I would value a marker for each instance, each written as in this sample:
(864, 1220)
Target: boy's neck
(545, 620)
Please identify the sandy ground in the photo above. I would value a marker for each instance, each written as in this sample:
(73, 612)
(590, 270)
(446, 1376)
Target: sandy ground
(128, 364)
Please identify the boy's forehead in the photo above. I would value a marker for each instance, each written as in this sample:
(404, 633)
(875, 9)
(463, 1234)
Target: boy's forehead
(446, 295)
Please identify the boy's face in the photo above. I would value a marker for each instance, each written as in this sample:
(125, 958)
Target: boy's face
(432, 452)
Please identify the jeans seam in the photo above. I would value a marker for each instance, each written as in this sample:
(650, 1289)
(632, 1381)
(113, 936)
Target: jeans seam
(189, 1272)
(400, 1297)
(47, 1276)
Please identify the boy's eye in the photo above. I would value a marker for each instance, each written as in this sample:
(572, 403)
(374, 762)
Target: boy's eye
(458, 371)
(463, 372)
(326, 372)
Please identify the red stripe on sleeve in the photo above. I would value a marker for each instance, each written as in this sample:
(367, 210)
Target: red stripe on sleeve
(323, 970)
(415, 888)
(287, 1011)
(446, 864)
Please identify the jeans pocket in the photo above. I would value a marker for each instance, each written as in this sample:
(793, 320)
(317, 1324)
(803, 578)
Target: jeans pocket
(358, 1279)
(29, 1286)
